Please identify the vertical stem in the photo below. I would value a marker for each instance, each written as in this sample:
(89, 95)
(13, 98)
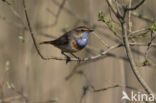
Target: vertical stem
(132, 63)
(129, 17)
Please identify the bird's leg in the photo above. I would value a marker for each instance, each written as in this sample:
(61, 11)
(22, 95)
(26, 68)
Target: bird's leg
(76, 57)
(67, 57)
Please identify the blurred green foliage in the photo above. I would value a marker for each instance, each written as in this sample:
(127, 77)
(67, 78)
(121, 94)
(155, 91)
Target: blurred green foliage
(146, 62)
(21, 37)
(8, 2)
(10, 85)
(154, 27)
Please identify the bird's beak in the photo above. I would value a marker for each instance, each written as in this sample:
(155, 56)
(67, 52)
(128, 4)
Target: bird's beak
(90, 30)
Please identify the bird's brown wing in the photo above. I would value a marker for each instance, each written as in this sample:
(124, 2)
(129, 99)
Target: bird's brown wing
(63, 40)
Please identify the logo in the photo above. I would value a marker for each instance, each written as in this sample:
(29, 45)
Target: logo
(138, 96)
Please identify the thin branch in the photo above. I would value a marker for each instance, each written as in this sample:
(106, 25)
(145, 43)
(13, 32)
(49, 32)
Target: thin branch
(50, 11)
(150, 45)
(126, 9)
(116, 86)
(57, 14)
(135, 7)
(74, 70)
(72, 13)
(102, 53)
(143, 17)
(142, 44)
(89, 84)
(66, 9)
(145, 29)
(111, 16)
(113, 31)
(129, 17)
(60, 9)
(106, 88)
(69, 11)
(92, 59)
(31, 32)
(114, 10)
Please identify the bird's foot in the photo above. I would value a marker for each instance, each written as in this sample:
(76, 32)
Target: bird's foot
(68, 59)
(78, 60)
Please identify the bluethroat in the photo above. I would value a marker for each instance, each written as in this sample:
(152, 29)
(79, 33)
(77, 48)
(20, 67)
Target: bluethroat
(71, 41)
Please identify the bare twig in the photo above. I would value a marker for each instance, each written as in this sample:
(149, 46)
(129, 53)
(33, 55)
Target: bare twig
(51, 12)
(31, 32)
(150, 45)
(57, 14)
(66, 9)
(113, 31)
(142, 44)
(129, 17)
(135, 7)
(145, 29)
(110, 87)
(86, 87)
(143, 17)
(115, 86)
(69, 11)
(126, 9)
(111, 7)
(111, 16)
(106, 88)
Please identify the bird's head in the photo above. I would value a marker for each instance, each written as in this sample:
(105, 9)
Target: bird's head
(82, 29)
(82, 33)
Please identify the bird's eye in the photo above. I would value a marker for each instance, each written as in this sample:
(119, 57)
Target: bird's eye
(82, 30)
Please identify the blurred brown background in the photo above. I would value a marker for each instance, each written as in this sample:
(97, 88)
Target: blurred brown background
(34, 80)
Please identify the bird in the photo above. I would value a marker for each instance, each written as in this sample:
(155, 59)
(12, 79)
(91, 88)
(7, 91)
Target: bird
(71, 41)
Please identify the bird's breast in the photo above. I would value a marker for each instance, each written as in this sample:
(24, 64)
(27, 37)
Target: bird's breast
(75, 46)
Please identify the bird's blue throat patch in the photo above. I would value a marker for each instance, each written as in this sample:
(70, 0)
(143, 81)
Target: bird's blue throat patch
(83, 40)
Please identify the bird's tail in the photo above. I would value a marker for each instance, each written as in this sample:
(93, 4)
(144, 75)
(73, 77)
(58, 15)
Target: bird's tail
(46, 42)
